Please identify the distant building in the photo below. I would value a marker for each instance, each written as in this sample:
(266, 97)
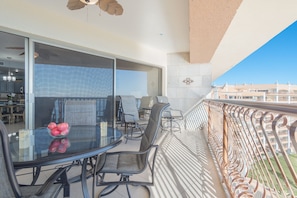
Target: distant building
(280, 93)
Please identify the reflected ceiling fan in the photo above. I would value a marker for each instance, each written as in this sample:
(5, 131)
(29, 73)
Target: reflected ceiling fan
(23, 53)
(112, 7)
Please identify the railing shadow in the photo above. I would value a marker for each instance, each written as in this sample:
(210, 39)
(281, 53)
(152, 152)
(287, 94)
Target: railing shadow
(185, 168)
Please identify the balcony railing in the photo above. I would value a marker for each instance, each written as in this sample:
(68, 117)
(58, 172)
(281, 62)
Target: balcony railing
(254, 145)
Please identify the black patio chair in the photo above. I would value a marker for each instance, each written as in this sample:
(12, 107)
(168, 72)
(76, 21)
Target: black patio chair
(128, 163)
(9, 184)
(131, 119)
(170, 117)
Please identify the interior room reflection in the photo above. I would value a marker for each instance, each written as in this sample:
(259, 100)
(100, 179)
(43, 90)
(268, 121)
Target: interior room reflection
(12, 97)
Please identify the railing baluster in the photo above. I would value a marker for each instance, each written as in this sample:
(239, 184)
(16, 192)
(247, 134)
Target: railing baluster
(225, 137)
(254, 145)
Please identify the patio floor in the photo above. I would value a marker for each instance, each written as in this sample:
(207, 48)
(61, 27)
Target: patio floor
(184, 168)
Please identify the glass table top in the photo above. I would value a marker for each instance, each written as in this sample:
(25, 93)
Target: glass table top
(36, 147)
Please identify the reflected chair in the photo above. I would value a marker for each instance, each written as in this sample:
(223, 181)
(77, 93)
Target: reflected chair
(170, 117)
(130, 118)
(5, 117)
(9, 184)
(80, 112)
(19, 114)
(128, 163)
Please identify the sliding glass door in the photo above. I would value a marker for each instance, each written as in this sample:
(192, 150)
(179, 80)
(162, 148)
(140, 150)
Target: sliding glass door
(63, 76)
(38, 80)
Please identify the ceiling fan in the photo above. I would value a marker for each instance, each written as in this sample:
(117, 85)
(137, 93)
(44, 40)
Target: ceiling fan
(112, 7)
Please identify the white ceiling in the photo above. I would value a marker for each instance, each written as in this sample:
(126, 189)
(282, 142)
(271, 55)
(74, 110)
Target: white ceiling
(154, 23)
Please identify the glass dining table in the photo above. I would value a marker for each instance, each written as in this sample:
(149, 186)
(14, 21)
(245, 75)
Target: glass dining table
(37, 148)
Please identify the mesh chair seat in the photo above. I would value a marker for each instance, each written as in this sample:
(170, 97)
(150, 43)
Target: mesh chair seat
(122, 163)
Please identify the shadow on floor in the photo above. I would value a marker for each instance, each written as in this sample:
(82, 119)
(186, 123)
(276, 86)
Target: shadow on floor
(185, 168)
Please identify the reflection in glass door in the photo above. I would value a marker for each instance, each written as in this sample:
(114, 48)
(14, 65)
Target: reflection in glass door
(12, 92)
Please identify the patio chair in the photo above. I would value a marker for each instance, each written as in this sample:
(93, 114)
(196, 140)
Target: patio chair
(130, 118)
(9, 184)
(146, 104)
(128, 163)
(170, 116)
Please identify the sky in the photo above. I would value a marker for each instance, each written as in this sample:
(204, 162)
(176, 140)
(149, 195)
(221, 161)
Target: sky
(274, 62)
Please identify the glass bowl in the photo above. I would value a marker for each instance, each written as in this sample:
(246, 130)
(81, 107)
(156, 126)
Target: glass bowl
(59, 132)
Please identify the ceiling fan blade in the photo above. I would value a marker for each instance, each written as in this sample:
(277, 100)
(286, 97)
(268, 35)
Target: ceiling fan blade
(118, 9)
(75, 4)
(35, 54)
(112, 7)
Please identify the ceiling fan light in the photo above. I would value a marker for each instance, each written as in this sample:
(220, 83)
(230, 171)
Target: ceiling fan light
(13, 78)
(9, 78)
(4, 78)
(89, 2)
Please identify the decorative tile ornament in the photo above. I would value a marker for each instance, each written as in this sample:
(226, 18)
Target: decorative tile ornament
(188, 81)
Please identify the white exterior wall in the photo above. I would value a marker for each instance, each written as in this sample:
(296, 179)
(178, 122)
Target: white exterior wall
(183, 96)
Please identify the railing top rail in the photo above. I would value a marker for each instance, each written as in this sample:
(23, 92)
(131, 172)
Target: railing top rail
(268, 106)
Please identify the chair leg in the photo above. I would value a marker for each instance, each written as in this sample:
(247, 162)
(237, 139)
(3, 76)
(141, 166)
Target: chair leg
(66, 186)
(126, 178)
(36, 173)
(113, 188)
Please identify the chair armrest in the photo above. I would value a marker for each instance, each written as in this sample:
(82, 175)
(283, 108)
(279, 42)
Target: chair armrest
(172, 113)
(132, 152)
(176, 113)
(59, 174)
(131, 115)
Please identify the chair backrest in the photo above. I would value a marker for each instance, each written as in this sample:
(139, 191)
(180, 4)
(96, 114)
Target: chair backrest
(8, 181)
(162, 99)
(129, 109)
(146, 103)
(151, 131)
(80, 112)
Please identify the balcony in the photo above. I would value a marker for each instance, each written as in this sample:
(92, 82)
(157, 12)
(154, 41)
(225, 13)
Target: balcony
(226, 149)
(248, 142)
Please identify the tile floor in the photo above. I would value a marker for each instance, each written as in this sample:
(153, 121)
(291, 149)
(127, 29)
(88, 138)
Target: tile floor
(184, 168)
